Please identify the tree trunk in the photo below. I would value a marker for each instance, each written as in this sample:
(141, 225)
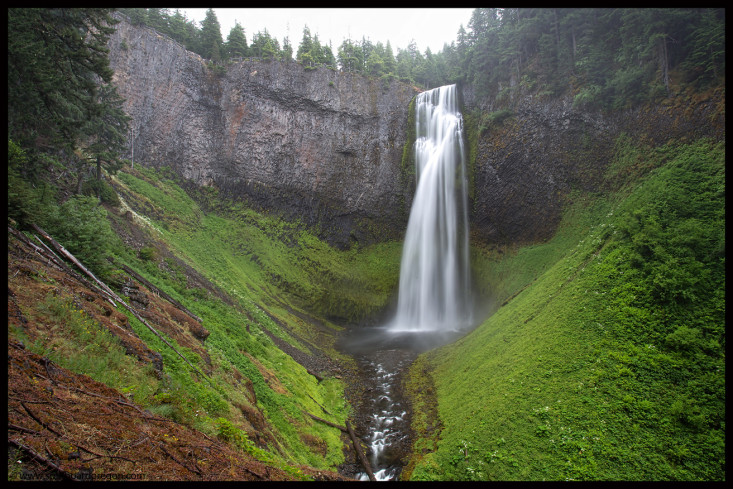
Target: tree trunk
(99, 178)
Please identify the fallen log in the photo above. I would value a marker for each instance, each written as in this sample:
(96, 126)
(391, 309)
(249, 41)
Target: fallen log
(64, 474)
(334, 425)
(156, 290)
(114, 296)
(360, 453)
(354, 441)
(318, 377)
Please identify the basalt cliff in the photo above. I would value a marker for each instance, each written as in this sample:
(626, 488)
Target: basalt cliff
(326, 147)
(317, 145)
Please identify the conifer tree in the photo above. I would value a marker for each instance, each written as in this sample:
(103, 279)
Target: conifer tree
(211, 41)
(347, 56)
(305, 46)
(56, 59)
(287, 51)
(236, 45)
(390, 64)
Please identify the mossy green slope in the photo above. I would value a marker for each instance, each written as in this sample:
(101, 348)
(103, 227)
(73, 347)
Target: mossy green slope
(608, 363)
(283, 281)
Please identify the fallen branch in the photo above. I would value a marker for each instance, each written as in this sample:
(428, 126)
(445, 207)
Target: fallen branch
(23, 238)
(156, 290)
(178, 461)
(318, 377)
(38, 420)
(42, 459)
(360, 453)
(354, 441)
(333, 425)
(320, 406)
(114, 296)
(22, 430)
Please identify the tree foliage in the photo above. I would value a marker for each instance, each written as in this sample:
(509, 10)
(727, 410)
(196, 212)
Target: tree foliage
(62, 107)
(211, 41)
(236, 45)
(605, 58)
(56, 59)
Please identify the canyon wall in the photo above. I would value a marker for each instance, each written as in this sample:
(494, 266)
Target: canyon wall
(317, 145)
(326, 147)
(527, 167)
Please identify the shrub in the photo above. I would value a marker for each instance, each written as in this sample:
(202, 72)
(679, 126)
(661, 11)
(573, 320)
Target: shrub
(81, 226)
(105, 191)
(148, 253)
(498, 117)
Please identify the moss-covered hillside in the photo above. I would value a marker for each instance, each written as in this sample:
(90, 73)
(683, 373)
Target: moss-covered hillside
(251, 355)
(606, 360)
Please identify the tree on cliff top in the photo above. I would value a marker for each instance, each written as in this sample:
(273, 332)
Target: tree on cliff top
(211, 42)
(236, 45)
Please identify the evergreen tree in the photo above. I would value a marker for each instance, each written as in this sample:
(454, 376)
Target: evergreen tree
(157, 18)
(327, 56)
(390, 64)
(316, 50)
(56, 58)
(375, 64)
(348, 59)
(104, 135)
(404, 65)
(236, 45)
(138, 16)
(177, 27)
(305, 46)
(211, 41)
(366, 50)
(706, 41)
(287, 51)
(269, 51)
(264, 46)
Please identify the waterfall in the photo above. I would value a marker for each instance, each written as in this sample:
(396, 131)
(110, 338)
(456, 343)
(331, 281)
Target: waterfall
(434, 289)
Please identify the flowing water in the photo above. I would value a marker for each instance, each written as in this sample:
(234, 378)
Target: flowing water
(434, 302)
(434, 289)
(383, 356)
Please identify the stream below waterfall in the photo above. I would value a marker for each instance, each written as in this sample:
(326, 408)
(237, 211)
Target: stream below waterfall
(383, 358)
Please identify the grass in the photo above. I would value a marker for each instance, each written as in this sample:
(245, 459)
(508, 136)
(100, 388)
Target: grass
(608, 361)
(603, 358)
(277, 273)
(278, 278)
(79, 343)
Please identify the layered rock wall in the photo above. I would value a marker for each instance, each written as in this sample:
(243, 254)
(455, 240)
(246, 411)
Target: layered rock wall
(527, 168)
(319, 145)
(325, 147)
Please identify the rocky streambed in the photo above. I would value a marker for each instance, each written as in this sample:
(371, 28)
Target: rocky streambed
(383, 412)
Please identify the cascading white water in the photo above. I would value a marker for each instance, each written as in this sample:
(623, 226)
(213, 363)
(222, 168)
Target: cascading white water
(434, 289)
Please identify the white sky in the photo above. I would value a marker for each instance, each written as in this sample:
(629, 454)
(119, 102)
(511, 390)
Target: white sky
(429, 27)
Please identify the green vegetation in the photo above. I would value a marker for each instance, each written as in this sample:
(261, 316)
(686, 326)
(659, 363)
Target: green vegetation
(79, 343)
(604, 356)
(268, 267)
(607, 361)
(60, 98)
(267, 256)
(604, 58)
(275, 274)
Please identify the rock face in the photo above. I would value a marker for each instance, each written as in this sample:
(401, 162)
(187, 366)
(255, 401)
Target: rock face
(321, 146)
(527, 167)
(325, 147)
